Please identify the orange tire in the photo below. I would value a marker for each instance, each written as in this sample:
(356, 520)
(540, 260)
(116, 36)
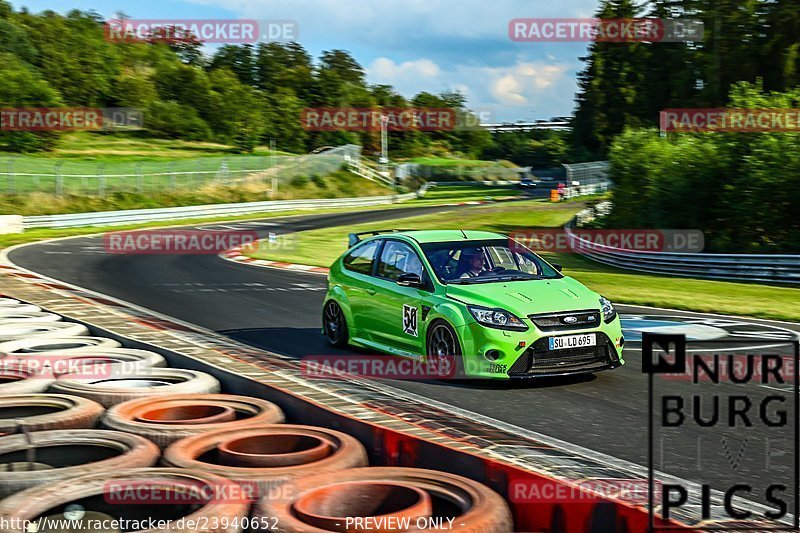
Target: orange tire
(271, 444)
(474, 507)
(166, 419)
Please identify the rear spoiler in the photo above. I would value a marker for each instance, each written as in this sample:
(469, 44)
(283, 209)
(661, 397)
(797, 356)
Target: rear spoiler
(355, 238)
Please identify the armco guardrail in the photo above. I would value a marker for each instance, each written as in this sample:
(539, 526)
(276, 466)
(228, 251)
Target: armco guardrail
(137, 216)
(733, 267)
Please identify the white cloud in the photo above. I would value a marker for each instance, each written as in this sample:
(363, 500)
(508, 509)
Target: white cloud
(522, 85)
(384, 70)
(437, 45)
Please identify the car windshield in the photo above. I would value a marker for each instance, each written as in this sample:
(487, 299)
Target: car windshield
(498, 260)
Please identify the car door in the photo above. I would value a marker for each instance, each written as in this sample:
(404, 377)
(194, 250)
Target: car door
(360, 288)
(396, 322)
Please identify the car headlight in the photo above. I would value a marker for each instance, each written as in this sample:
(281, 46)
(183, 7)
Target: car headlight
(496, 318)
(609, 313)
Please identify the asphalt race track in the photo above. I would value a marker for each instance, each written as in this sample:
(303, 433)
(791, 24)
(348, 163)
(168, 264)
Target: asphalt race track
(280, 312)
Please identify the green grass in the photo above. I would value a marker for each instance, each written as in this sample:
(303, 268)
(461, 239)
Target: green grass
(705, 296)
(81, 158)
(468, 193)
(44, 234)
(125, 147)
(340, 184)
(322, 247)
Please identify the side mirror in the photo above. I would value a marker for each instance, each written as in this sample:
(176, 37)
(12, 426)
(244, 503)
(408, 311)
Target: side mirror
(557, 266)
(409, 280)
(352, 240)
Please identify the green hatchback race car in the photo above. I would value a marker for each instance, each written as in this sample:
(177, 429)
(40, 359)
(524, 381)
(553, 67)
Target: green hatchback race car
(471, 304)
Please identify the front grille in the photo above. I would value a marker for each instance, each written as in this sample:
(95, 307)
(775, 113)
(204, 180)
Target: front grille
(538, 360)
(566, 321)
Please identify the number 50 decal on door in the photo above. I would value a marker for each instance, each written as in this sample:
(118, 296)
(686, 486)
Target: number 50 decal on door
(410, 320)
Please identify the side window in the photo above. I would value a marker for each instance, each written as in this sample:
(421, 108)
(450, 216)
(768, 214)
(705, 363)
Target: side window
(360, 259)
(501, 257)
(399, 258)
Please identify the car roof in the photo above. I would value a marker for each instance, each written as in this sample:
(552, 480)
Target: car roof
(447, 235)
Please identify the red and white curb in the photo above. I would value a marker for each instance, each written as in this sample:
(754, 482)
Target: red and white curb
(235, 255)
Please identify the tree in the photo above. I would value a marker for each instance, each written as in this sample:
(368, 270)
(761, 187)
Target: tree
(22, 86)
(75, 55)
(237, 59)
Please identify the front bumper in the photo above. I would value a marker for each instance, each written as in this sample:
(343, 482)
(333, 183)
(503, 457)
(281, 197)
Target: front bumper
(526, 354)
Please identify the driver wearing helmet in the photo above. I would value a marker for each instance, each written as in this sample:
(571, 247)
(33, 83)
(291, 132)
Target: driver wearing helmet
(473, 259)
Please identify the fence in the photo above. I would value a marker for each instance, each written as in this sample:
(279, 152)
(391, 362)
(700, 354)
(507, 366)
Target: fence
(461, 173)
(360, 167)
(733, 267)
(591, 173)
(24, 175)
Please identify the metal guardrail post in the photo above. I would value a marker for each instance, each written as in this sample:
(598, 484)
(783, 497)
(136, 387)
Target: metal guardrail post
(101, 180)
(10, 176)
(139, 178)
(172, 182)
(59, 179)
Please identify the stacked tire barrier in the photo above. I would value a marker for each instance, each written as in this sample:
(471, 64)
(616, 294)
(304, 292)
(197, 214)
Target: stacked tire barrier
(91, 432)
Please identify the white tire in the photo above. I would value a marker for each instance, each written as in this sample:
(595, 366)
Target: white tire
(147, 382)
(21, 308)
(29, 316)
(56, 345)
(41, 330)
(111, 360)
(19, 378)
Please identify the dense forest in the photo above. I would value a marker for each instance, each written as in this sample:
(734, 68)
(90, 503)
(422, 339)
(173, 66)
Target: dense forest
(625, 85)
(240, 95)
(742, 189)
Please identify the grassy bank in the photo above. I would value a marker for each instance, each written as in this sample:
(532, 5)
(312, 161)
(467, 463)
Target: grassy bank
(89, 147)
(321, 247)
(340, 184)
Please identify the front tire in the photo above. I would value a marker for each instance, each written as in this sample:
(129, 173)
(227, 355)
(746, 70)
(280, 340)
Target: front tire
(443, 351)
(335, 325)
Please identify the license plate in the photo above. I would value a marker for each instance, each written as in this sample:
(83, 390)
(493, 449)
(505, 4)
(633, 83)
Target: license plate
(573, 341)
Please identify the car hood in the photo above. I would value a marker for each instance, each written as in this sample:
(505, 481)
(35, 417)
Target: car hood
(525, 298)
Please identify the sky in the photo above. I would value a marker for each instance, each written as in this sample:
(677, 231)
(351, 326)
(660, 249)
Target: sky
(414, 45)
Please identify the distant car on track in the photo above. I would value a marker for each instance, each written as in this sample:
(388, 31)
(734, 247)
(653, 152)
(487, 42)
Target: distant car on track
(472, 301)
